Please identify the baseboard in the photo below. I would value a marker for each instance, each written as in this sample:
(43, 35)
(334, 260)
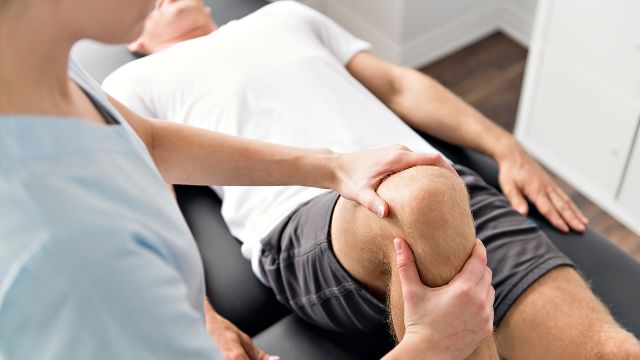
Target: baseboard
(515, 23)
(451, 37)
(495, 15)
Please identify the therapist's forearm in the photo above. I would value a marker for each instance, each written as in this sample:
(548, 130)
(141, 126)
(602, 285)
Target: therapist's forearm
(188, 155)
(428, 106)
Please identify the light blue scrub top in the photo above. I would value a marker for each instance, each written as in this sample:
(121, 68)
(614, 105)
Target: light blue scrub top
(96, 261)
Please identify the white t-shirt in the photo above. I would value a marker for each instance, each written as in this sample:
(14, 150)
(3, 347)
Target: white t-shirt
(277, 75)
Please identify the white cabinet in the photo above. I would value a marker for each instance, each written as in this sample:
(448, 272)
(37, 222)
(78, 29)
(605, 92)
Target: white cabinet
(629, 196)
(599, 37)
(580, 108)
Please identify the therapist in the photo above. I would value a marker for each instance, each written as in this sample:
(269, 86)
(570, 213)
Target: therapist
(96, 261)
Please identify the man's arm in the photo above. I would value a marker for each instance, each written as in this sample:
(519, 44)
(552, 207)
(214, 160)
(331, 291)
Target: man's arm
(189, 155)
(426, 105)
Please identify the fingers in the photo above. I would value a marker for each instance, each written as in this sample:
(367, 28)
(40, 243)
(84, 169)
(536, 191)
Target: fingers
(567, 210)
(254, 352)
(236, 354)
(474, 269)
(515, 197)
(579, 213)
(406, 158)
(374, 203)
(407, 270)
(485, 281)
(414, 159)
(491, 295)
(546, 208)
(431, 159)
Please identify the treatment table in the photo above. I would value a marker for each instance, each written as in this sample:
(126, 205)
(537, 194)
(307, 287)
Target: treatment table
(240, 297)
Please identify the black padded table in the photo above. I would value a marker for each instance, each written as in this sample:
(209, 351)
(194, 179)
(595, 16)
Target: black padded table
(239, 296)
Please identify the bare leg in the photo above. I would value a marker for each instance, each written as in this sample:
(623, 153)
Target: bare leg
(558, 317)
(429, 207)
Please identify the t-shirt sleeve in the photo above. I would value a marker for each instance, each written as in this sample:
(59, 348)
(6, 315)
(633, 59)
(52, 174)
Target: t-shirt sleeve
(100, 300)
(341, 43)
(121, 87)
(124, 86)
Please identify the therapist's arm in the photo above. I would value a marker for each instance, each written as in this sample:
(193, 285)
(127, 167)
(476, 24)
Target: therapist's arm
(189, 155)
(426, 105)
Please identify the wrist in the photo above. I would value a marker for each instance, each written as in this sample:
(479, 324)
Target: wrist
(505, 148)
(333, 167)
(314, 168)
(417, 346)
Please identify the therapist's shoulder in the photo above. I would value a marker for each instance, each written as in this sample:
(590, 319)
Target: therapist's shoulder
(52, 252)
(49, 289)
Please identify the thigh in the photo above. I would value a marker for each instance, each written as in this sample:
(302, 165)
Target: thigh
(543, 308)
(559, 317)
(362, 245)
(518, 252)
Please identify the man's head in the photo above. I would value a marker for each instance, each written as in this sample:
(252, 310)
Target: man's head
(173, 21)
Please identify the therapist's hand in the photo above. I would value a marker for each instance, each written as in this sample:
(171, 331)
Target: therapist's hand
(233, 343)
(521, 176)
(446, 322)
(359, 174)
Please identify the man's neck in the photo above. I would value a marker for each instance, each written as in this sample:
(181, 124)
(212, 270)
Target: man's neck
(33, 64)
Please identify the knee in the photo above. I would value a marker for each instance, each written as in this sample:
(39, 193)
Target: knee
(429, 207)
(614, 343)
(427, 195)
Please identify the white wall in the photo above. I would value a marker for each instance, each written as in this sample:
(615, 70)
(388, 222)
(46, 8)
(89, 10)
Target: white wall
(517, 17)
(417, 32)
(422, 16)
(379, 24)
(435, 28)
(384, 15)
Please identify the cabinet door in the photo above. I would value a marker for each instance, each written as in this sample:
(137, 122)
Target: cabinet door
(600, 37)
(579, 128)
(629, 197)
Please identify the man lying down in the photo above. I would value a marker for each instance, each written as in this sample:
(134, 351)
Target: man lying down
(287, 74)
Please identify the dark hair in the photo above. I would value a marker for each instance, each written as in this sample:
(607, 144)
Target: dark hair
(137, 54)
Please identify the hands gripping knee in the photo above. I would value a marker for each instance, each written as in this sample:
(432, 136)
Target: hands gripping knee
(456, 316)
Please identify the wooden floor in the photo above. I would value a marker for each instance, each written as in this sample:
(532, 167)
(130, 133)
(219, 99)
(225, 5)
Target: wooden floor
(488, 75)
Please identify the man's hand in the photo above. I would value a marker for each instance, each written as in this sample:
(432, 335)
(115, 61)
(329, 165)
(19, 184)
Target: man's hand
(233, 343)
(360, 173)
(450, 321)
(521, 176)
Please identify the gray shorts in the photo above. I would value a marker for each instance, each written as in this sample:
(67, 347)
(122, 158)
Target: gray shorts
(305, 275)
